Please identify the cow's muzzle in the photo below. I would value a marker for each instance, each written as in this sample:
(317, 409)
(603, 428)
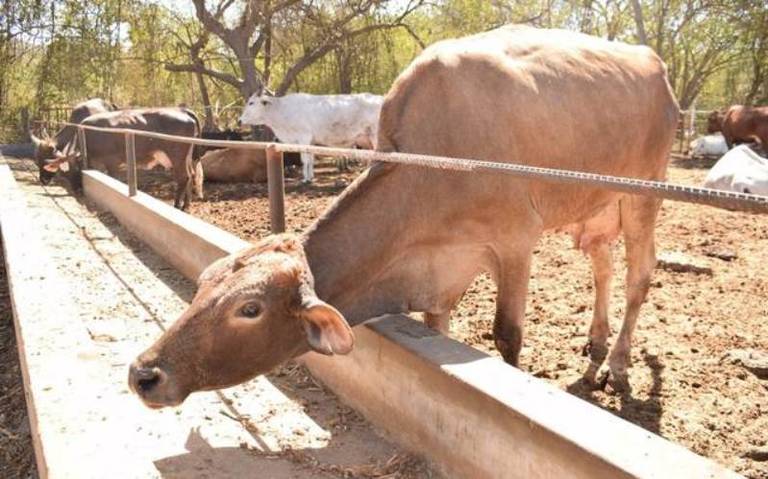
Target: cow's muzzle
(153, 386)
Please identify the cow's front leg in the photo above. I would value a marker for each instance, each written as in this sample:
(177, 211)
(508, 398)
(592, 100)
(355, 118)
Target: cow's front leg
(512, 281)
(439, 321)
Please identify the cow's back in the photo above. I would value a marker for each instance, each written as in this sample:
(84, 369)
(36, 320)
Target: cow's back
(169, 121)
(335, 120)
(235, 165)
(547, 98)
(80, 112)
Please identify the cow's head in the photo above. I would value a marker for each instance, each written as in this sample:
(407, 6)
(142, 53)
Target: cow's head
(715, 121)
(257, 109)
(253, 310)
(45, 154)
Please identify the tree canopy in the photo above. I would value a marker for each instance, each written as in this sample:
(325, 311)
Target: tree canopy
(213, 54)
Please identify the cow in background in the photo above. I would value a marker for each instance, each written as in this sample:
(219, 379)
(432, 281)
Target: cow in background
(709, 146)
(51, 148)
(241, 171)
(740, 170)
(345, 121)
(235, 165)
(741, 124)
(108, 149)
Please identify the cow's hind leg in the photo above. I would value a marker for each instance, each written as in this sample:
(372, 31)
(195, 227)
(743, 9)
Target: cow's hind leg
(638, 219)
(308, 167)
(512, 281)
(596, 347)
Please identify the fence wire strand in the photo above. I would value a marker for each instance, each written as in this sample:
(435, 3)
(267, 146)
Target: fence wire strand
(689, 194)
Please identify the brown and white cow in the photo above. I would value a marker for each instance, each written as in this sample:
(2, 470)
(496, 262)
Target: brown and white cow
(404, 238)
(741, 124)
(108, 149)
(51, 148)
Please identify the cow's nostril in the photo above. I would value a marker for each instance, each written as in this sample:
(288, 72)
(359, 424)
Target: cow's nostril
(146, 379)
(146, 385)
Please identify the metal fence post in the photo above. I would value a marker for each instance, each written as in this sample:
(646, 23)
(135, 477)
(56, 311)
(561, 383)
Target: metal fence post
(83, 147)
(130, 154)
(276, 187)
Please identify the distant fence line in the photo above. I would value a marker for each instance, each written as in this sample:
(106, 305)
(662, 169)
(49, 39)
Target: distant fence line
(275, 175)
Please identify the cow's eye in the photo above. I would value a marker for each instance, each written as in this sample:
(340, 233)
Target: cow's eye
(264, 102)
(250, 310)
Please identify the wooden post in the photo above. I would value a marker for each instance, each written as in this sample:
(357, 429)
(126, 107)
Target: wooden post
(83, 147)
(25, 123)
(276, 187)
(130, 154)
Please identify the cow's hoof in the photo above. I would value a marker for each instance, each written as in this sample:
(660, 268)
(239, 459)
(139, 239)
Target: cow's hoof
(613, 383)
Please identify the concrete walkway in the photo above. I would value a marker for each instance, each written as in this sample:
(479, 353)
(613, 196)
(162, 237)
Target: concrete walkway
(88, 299)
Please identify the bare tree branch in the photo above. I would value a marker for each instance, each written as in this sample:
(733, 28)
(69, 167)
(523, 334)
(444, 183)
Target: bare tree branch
(192, 68)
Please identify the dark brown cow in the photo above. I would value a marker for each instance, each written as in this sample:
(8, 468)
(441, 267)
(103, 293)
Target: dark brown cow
(108, 149)
(741, 124)
(49, 148)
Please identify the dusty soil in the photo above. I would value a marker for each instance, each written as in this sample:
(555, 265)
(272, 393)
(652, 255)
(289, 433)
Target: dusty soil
(683, 388)
(285, 425)
(17, 459)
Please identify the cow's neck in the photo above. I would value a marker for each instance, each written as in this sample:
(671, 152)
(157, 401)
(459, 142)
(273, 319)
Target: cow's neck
(352, 250)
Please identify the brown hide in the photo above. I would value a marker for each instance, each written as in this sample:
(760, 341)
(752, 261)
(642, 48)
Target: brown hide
(744, 124)
(235, 166)
(404, 238)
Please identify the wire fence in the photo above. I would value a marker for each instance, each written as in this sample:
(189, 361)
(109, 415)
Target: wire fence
(677, 192)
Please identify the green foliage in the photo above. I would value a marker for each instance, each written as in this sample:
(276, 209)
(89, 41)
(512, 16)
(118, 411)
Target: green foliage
(57, 52)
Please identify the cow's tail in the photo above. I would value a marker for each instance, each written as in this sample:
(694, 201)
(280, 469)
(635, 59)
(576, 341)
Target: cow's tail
(195, 168)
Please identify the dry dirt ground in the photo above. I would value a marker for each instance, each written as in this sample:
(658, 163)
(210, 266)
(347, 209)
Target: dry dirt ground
(683, 385)
(282, 426)
(17, 460)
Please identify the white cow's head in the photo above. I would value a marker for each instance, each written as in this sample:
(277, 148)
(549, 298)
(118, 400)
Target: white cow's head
(256, 111)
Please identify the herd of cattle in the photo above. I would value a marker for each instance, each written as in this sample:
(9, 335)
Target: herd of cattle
(349, 121)
(405, 239)
(332, 120)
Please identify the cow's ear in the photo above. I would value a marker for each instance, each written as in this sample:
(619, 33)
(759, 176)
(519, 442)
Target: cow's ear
(326, 329)
(57, 164)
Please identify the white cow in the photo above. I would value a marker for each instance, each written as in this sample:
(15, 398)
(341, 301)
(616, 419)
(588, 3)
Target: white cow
(330, 120)
(740, 170)
(709, 145)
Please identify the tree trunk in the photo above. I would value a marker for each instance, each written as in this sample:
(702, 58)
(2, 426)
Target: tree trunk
(637, 9)
(344, 71)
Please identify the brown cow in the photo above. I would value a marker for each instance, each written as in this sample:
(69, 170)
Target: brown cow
(405, 238)
(741, 124)
(49, 148)
(235, 165)
(108, 149)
